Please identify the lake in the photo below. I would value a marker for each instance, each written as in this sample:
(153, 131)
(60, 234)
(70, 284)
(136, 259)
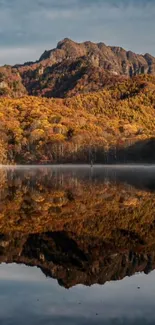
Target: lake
(77, 245)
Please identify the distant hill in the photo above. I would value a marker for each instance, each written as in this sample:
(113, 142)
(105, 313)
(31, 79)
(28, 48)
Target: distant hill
(73, 68)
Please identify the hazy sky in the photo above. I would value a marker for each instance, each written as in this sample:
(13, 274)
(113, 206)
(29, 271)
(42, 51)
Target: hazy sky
(28, 27)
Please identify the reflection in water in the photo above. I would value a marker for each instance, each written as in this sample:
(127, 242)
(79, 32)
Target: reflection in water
(78, 225)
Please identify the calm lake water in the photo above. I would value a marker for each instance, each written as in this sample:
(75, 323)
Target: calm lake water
(77, 245)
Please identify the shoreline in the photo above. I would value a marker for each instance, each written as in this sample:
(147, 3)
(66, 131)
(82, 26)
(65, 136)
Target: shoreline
(110, 166)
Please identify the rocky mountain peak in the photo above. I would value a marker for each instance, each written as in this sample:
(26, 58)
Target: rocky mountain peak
(65, 42)
(72, 68)
(111, 58)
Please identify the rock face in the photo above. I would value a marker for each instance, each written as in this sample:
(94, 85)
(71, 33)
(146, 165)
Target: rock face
(72, 68)
(111, 58)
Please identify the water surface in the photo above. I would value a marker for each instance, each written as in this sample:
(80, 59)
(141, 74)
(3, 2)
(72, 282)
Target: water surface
(77, 245)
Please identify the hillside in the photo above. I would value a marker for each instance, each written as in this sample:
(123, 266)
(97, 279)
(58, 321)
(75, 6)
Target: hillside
(73, 68)
(78, 103)
(112, 125)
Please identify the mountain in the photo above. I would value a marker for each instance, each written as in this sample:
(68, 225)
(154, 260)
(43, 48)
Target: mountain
(72, 68)
(102, 107)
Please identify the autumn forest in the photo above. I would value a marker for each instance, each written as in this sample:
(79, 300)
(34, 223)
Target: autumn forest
(79, 103)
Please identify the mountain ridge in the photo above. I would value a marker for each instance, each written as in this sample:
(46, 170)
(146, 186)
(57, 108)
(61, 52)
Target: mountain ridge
(83, 48)
(73, 68)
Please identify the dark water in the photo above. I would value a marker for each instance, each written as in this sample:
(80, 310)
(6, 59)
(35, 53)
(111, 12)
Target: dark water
(77, 245)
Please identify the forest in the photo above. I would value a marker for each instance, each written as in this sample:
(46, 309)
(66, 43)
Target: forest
(110, 125)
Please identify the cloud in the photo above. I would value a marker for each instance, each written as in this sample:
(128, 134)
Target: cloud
(29, 26)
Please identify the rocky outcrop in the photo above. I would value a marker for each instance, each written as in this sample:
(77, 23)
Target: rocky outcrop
(111, 58)
(72, 68)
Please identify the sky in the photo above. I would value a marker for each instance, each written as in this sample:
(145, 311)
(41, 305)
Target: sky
(28, 297)
(28, 27)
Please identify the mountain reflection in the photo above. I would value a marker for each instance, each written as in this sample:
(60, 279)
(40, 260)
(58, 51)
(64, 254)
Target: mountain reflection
(79, 225)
